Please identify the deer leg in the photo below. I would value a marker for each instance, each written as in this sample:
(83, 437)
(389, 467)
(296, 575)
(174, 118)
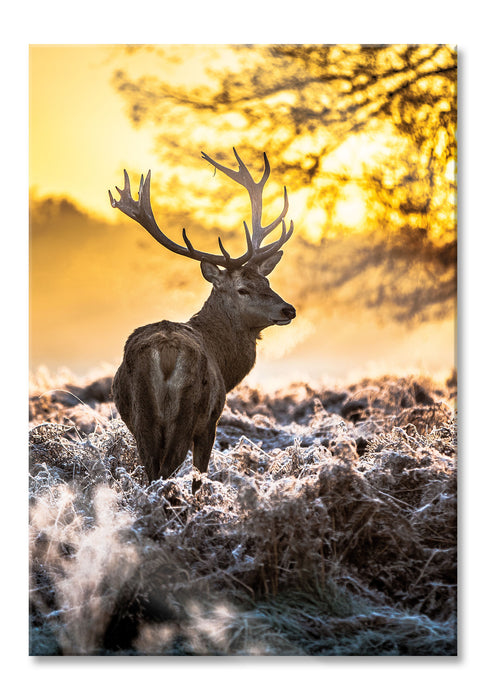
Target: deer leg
(162, 457)
(173, 457)
(202, 451)
(203, 444)
(150, 458)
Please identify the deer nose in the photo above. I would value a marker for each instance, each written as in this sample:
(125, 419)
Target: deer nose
(289, 311)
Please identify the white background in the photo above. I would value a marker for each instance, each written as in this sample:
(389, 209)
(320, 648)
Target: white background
(215, 21)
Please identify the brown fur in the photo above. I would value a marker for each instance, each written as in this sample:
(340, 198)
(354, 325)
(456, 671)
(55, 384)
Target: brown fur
(171, 386)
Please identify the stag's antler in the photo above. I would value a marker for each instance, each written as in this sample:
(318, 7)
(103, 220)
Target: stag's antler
(255, 189)
(141, 211)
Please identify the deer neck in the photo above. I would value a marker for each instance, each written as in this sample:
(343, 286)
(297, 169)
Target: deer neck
(229, 342)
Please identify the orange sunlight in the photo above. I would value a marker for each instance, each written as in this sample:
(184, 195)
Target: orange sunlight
(80, 138)
(95, 275)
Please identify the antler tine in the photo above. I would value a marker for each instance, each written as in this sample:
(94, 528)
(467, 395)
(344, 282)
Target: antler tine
(127, 181)
(242, 176)
(245, 177)
(233, 174)
(239, 262)
(223, 250)
(264, 231)
(126, 189)
(188, 243)
(249, 242)
(268, 250)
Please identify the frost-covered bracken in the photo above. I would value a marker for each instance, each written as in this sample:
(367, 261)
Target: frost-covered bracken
(325, 525)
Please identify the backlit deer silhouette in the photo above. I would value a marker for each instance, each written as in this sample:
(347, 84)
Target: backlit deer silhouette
(171, 386)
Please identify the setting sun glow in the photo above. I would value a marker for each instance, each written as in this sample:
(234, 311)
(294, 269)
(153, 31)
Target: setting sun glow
(351, 210)
(357, 194)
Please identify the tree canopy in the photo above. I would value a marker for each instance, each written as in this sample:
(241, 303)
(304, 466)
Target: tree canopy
(364, 137)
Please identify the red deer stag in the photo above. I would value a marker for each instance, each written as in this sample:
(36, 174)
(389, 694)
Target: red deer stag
(171, 386)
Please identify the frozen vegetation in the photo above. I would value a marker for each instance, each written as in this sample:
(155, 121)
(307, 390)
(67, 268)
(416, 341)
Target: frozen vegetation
(326, 525)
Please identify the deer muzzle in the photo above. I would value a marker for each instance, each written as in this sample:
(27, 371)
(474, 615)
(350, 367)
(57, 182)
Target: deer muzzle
(288, 313)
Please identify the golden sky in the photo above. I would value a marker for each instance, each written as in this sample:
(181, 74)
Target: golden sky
(95, 275)
(80, 139)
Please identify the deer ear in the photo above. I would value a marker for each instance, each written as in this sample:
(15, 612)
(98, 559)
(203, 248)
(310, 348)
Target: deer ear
(266, 267)
(212, 273)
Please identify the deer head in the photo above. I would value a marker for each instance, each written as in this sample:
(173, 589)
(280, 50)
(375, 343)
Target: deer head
(239, 284)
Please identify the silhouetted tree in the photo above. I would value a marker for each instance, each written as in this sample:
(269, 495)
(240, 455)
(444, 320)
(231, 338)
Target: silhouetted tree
(302, 103)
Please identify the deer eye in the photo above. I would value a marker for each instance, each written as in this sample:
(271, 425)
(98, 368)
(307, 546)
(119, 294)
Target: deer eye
(243, 292)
